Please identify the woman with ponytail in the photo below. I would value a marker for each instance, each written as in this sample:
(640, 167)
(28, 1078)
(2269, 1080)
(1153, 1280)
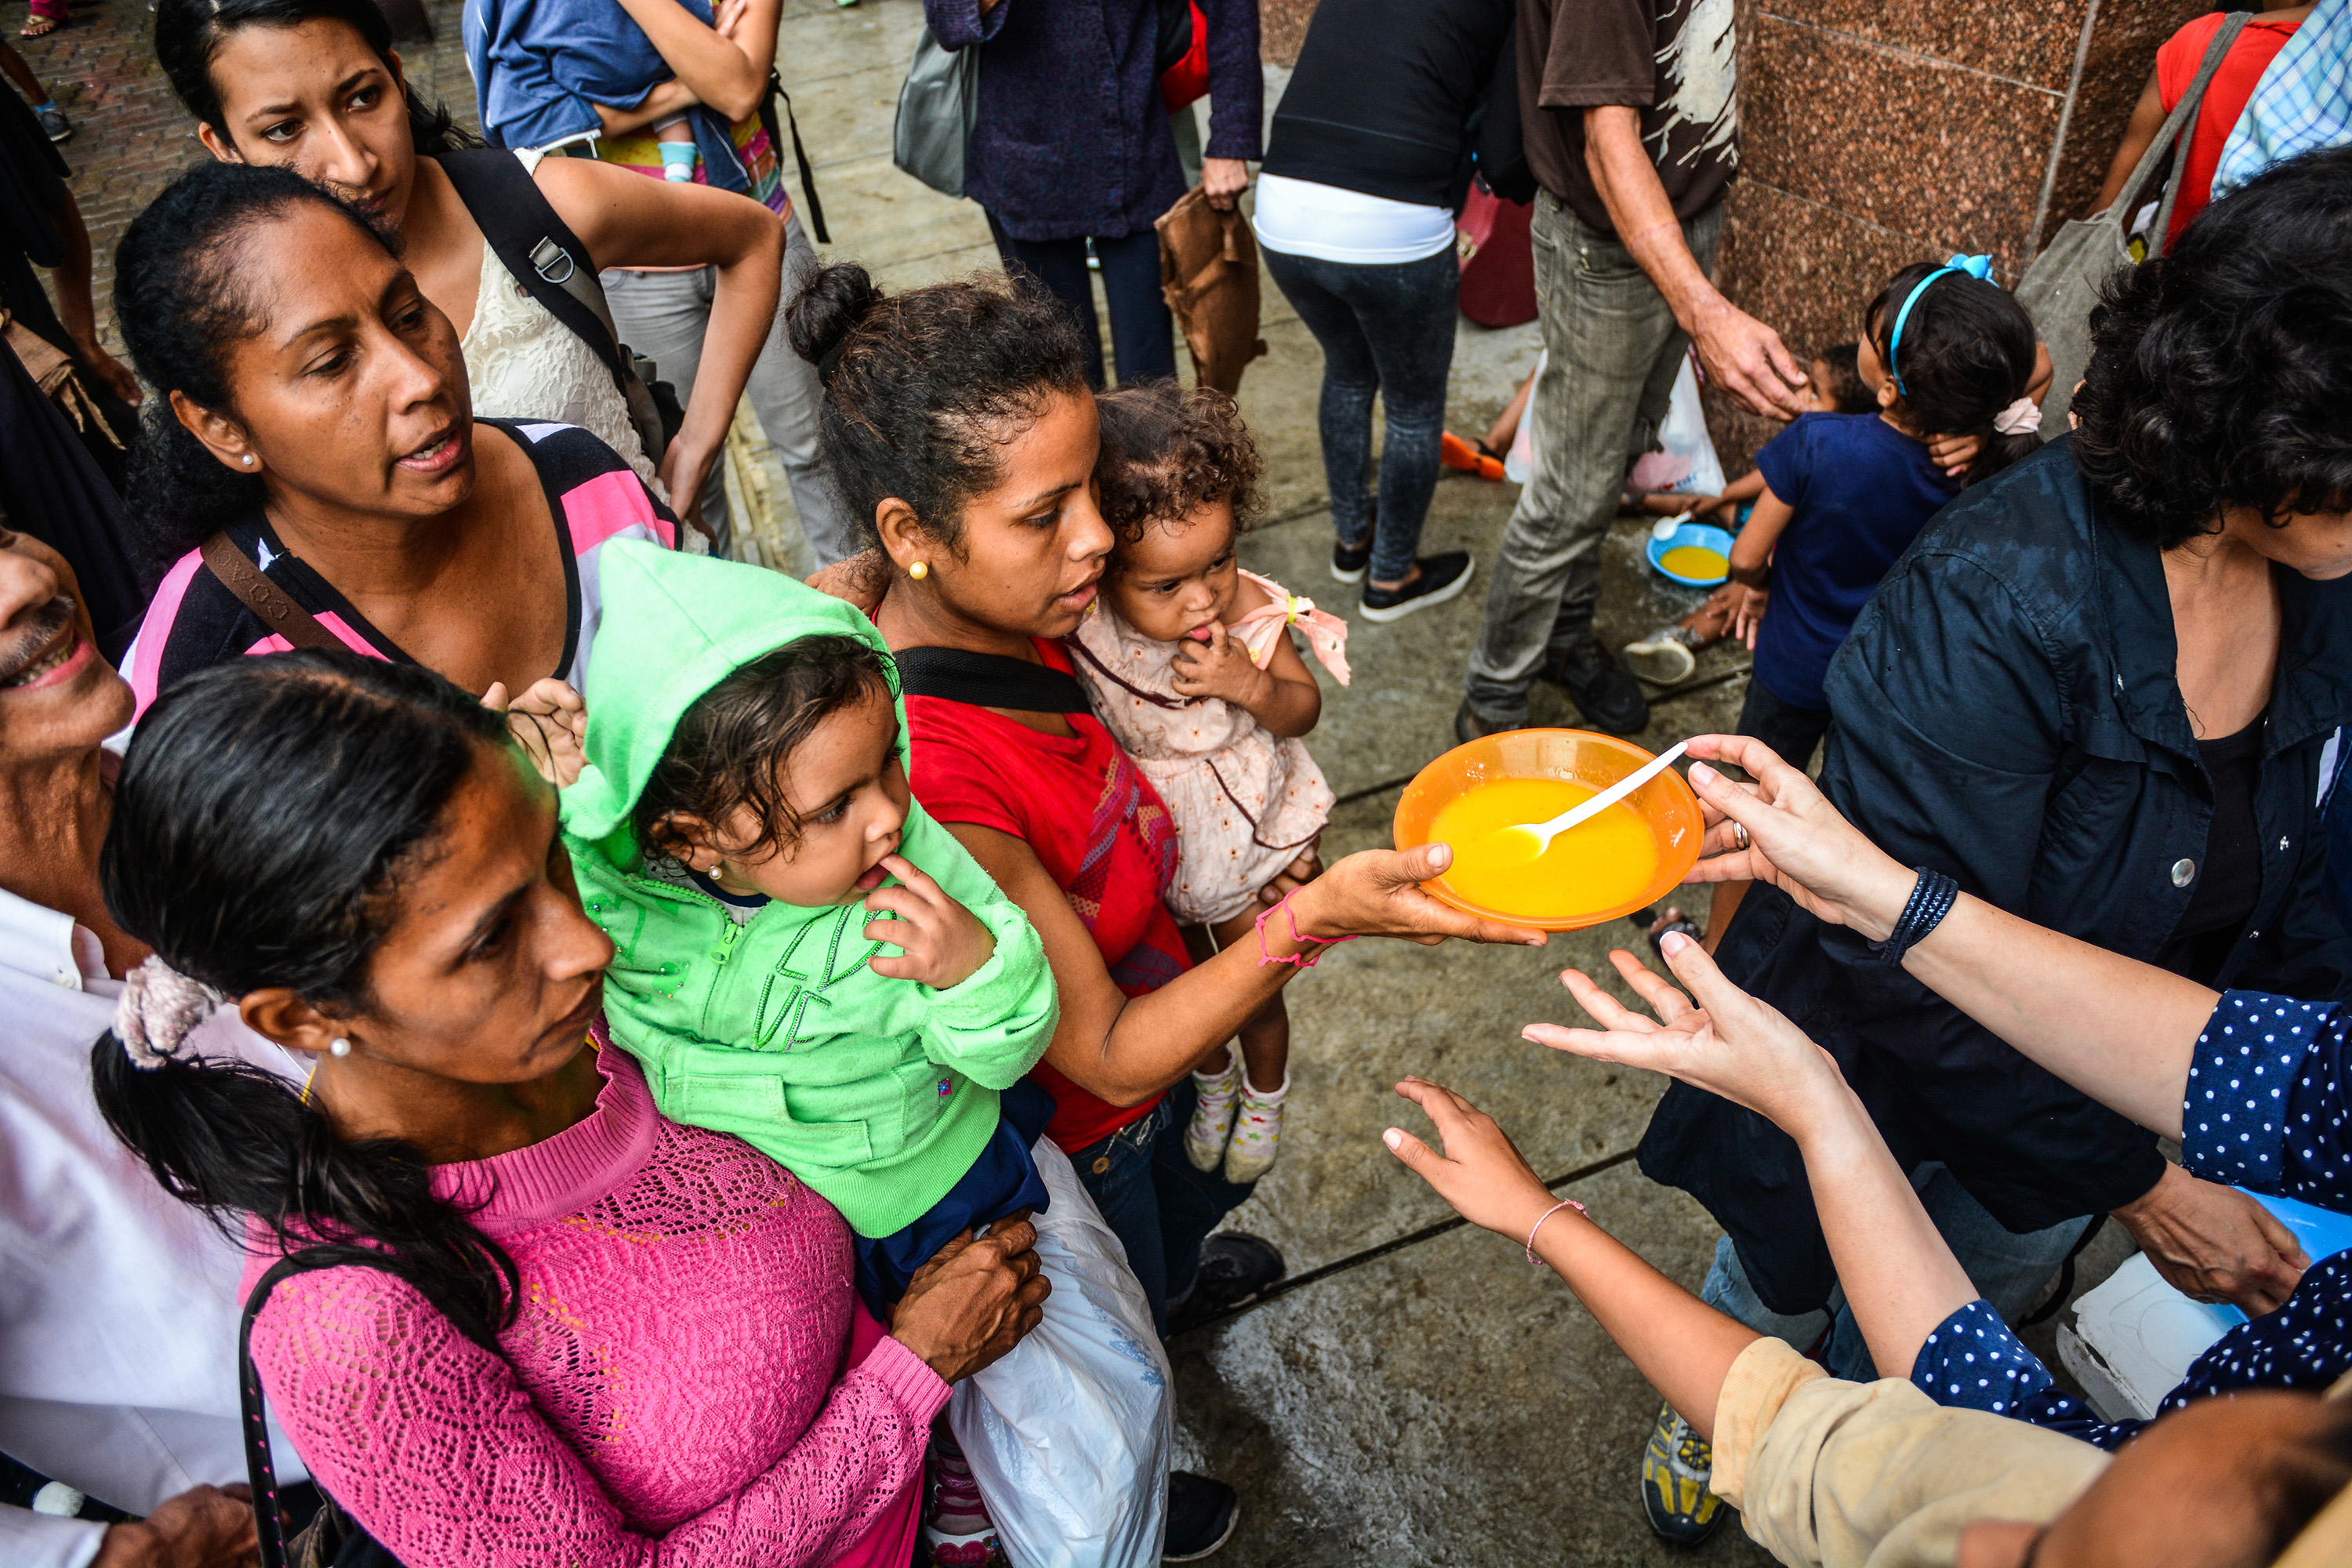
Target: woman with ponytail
(314, 439)
(315, 86)
(539, 1325)
(2102, 692)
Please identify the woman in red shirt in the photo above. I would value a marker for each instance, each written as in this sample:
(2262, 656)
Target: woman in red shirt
(958, 425)
(2226, 96)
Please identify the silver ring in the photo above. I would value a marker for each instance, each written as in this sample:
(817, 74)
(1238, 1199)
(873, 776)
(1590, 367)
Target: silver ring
(1740, 836)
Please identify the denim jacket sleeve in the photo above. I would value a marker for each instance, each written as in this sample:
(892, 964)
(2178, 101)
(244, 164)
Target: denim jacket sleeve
(959, 24)
(1237, 80)
(1969, 709)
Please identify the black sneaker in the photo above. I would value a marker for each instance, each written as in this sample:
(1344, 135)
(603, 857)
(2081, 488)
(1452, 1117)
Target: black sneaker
(1236, 1269)
(1443, 577)
(1469, 726)
(54, 123)
(1609, 698)
(1201, 1514)
(1351, 561)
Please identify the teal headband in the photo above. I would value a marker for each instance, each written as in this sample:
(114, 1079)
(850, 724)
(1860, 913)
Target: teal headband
(1976, 266)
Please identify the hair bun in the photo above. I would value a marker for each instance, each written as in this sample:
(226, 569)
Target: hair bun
(820, 320)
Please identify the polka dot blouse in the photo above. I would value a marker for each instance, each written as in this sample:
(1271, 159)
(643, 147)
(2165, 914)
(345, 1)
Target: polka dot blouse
(2266, 1110)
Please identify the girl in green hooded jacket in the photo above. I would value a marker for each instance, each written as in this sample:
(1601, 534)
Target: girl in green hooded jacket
(804, 959)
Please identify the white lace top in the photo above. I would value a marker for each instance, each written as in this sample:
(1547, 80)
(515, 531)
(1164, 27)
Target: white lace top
(526, 365)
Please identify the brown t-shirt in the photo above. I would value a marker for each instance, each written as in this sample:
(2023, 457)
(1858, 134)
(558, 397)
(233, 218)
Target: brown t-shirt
(1672, 60)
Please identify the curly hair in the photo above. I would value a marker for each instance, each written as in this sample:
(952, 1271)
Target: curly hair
(1167, 453)
(2220, 373)
(185, 295)
(732, 749)
(923, 390)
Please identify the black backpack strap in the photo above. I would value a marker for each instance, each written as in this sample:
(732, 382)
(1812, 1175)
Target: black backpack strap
(536, 246)
(800, 154)
(989, 680)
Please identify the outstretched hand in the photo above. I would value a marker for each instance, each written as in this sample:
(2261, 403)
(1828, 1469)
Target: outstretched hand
(1378, 892)
(1797, 842)
(1479, 1170)
(549, 722)
(1728, 1043)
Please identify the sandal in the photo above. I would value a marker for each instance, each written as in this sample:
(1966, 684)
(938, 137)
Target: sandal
(38, 27)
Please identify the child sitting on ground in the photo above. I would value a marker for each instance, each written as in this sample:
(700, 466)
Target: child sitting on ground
(1190, 667)
(1667, 655)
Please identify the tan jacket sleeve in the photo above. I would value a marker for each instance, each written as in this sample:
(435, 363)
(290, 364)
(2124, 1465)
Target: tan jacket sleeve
(1876, 1475)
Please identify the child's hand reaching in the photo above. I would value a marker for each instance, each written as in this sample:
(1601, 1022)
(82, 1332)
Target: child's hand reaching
(549, 721)
(1220, 667)
(939, 943)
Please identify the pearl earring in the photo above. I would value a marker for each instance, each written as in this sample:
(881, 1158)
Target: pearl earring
(247, 460)
(919, 570)
(339, 1047)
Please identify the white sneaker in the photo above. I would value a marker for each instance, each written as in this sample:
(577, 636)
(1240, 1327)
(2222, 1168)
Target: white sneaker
(1213, 1114)
(1257, 1130)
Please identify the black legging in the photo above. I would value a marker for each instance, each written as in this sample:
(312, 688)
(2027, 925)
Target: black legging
(1142, 333)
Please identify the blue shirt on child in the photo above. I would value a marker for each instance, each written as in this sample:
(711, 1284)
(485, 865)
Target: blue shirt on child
(1862, 490)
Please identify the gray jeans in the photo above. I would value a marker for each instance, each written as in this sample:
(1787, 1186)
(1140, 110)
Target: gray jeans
(1614, 349)
(662, 315)
(2010, 1269)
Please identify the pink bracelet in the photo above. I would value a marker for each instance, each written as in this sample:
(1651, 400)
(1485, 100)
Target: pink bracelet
(1297, 958)
(1563, 1204)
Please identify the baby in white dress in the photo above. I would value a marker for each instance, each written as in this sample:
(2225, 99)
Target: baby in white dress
(1192, 669)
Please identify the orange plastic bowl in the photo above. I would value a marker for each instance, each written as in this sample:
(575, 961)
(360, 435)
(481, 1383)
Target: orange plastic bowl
(1578, 756)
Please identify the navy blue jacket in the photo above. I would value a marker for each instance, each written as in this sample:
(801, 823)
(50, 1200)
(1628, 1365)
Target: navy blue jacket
(2006, 712)
(1071, 139)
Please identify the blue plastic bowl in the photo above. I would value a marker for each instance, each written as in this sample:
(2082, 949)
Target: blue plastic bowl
(1706, 536)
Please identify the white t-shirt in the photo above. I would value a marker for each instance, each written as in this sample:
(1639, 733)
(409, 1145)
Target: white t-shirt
(119, 1304)
(1299, 217)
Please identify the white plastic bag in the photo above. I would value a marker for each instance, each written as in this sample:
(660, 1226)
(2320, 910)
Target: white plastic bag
(1688, 466)
(1069, 1436)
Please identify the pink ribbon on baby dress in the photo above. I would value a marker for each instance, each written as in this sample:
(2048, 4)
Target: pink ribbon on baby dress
(1326, 634)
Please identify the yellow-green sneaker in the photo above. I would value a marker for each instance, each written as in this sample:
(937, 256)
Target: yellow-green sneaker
(1675, 1470)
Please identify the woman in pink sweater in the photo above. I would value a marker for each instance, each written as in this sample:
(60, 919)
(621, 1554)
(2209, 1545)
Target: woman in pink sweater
(582, 1334)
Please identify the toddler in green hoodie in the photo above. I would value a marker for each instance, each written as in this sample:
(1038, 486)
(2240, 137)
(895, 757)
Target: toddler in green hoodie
(802, 957)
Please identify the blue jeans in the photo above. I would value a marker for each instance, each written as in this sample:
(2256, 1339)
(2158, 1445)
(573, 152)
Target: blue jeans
(1386, 330)
(2007, 1268)
(1158, 1206)
(1142, 330)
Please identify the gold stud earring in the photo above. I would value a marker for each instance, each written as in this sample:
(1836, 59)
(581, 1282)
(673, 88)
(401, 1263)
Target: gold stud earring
(920, 570)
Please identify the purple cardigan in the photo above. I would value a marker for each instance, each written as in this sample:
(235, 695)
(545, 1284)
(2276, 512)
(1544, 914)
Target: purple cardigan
(1071, 139)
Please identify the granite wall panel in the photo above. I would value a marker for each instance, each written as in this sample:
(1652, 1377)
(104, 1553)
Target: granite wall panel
(2115, 67)
(2032, 44)
(1900, 141)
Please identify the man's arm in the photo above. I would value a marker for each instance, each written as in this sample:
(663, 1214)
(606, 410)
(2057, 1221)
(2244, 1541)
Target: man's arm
(1741, 354)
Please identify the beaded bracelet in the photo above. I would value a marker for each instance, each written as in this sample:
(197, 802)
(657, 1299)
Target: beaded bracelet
(1932, 898)
(1299, 959)
(1563, 1204)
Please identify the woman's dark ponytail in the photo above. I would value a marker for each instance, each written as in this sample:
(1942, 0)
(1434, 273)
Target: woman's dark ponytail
(264, 813)
(183, 303)
(1968, 355)
(189, 33)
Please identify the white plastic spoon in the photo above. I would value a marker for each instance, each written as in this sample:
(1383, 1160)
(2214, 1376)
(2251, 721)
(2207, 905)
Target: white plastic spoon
(1543, 832)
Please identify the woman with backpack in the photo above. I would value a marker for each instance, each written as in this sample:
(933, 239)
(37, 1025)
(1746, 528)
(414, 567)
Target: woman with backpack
(315, 86)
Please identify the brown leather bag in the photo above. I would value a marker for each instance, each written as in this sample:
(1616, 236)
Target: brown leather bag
(56, 375)
(1208, 270)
